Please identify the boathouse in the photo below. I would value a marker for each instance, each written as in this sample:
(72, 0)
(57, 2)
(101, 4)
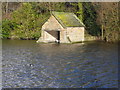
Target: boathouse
(62, 27)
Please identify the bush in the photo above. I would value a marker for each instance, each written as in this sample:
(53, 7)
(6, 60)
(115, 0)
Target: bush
(7, 27)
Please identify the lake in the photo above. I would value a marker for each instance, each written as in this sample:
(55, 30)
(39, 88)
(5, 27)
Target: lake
(27, 64)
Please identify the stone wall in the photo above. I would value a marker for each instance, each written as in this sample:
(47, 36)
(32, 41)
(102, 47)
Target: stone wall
(63, 37)
(52, 24)
(75, 34)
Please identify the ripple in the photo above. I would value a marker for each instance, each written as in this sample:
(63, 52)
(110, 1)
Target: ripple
(27, 64)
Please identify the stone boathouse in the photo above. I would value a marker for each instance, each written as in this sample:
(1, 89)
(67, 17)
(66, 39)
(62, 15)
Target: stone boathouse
(62, 27)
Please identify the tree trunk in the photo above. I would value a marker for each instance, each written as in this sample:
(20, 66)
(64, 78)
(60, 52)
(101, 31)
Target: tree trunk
(6, 8)
(102, 33)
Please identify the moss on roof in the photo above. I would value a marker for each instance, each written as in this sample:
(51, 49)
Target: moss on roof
(67, 19)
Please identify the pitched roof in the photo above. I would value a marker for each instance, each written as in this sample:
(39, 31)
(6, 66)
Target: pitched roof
(68, 19)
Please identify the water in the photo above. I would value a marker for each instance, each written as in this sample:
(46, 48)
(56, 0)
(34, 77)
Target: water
(27, 64)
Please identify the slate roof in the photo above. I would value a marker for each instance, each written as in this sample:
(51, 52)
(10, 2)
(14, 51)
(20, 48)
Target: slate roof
(67, 19)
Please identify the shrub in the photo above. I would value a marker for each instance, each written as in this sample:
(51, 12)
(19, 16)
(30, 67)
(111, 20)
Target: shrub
(7, 27)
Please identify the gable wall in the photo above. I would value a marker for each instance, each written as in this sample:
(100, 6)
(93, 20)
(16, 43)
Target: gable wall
(52, 24)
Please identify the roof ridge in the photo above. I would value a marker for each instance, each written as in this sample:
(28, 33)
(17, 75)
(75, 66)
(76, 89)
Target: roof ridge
(79, 20)
(62, 12)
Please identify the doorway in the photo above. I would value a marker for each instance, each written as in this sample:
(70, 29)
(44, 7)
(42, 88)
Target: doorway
(58, 38)
(53, 36)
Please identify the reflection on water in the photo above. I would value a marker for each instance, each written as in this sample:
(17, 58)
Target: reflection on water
(27, 64)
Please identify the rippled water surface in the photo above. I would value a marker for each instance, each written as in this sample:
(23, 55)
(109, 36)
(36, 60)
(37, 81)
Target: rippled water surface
(27, 64)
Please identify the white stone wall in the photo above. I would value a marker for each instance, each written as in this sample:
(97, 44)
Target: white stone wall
(63, 37)
(52, 24)
(75, 34)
